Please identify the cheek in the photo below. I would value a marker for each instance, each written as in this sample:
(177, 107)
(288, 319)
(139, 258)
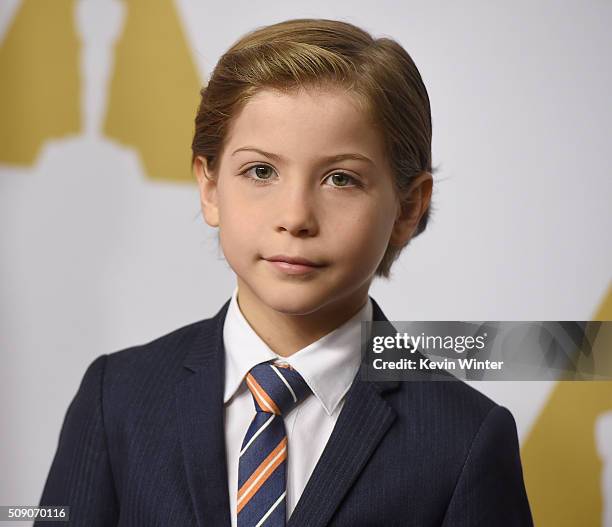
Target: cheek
(364, 231)
(237, 230)
(235, 210)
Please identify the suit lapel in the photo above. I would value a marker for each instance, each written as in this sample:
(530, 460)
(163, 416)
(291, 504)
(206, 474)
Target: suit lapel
(199, 398)
(362, 423)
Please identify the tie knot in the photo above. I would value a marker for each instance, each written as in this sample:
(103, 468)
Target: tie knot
(276, 387)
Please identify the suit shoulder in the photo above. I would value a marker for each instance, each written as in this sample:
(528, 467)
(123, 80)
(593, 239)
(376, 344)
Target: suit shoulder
(455, 405)
(164, 353)
(476, 399)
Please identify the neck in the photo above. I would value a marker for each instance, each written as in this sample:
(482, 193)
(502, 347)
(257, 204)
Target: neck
(287, 333)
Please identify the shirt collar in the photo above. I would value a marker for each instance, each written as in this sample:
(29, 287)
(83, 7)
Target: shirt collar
(328, 365)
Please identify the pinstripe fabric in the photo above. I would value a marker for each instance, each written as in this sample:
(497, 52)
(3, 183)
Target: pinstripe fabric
(276, 388)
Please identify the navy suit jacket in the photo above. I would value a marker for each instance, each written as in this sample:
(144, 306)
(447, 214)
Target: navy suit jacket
(142, 444)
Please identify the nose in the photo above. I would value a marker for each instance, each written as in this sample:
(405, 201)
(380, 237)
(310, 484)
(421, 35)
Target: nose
(296, 211)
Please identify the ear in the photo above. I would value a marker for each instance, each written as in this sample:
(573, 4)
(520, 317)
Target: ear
(207, 183)
(411, 209)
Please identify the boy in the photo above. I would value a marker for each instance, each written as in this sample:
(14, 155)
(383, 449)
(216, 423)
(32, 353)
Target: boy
(312, 152)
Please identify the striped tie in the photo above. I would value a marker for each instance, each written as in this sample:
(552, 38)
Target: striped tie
(276, 388)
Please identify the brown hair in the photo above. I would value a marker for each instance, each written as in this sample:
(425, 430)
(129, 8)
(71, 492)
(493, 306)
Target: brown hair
(315, 53)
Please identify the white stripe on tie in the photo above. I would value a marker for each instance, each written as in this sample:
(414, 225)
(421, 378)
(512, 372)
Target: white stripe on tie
(285, 381)
(271, 509)
(261, 429)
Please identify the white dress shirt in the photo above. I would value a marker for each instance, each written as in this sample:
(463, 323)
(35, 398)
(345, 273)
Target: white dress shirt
(328, 366)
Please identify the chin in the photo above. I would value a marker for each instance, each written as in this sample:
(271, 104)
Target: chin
(293, 302)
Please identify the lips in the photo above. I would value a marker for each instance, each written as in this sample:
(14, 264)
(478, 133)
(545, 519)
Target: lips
(295, 260)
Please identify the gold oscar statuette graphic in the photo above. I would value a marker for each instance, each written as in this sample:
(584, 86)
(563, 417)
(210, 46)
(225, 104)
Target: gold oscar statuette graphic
(561, 463)
(39, 90)
(154, 92)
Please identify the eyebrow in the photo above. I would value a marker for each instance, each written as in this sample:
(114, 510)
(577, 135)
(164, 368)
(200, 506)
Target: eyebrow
(328, 159)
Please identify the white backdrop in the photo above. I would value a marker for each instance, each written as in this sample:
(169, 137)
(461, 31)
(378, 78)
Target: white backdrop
(96, 257)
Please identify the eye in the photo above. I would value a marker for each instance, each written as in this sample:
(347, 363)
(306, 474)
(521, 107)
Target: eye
(258, 174)
(340, 179)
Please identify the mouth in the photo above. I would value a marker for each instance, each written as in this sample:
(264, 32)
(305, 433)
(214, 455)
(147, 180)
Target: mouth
(295, 260)
(293, 264)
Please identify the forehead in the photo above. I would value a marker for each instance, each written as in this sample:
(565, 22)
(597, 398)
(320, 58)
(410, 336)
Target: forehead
(312, 120)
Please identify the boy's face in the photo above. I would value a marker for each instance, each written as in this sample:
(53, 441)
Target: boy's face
(296, 202)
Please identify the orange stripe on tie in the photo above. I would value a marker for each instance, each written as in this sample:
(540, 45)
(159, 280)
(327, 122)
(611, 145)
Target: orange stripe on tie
(263, 472)
(264, 400)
